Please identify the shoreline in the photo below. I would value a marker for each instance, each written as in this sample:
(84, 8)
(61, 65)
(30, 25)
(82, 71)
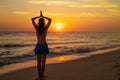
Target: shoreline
(59, 59)
(98, 66)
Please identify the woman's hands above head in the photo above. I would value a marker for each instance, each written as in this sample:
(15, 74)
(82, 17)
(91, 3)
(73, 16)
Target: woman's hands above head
(41, 14)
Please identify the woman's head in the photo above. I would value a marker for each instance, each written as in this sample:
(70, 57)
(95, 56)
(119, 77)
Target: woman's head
(41, 24)
(41, 21)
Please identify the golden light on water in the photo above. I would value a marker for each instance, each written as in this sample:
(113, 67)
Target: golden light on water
(61, 58)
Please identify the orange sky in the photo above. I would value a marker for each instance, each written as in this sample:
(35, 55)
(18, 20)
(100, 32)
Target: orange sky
(71, 15)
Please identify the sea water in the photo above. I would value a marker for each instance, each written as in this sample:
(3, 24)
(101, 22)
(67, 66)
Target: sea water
(18, 46)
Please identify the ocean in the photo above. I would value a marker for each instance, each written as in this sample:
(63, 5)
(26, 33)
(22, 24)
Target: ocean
(18, 47)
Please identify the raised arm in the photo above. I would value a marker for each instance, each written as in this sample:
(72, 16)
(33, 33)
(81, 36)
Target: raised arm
(49, 22)
(33, 21)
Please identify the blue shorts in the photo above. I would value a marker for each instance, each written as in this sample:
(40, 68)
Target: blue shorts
(41, 49)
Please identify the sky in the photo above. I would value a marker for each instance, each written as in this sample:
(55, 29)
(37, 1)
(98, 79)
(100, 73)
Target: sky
(67, 15)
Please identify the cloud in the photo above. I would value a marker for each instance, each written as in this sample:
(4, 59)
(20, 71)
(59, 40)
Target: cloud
(114, 12)
(54, 14)
(111, 10)
(102, 6)
(89, 14)
(20, 12)
(49, 2)
(73, 6)
(93, 4)
(114, 1)
(1, 6)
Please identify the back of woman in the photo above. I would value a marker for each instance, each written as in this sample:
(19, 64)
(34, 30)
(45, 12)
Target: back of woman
(41, 48)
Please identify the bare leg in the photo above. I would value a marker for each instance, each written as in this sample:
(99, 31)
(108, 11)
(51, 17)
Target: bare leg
(39, 64)
(43, 60)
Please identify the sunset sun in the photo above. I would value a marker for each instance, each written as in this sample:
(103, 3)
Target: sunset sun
(58, 26)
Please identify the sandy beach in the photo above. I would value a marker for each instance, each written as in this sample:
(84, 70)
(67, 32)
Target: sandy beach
(102, 66)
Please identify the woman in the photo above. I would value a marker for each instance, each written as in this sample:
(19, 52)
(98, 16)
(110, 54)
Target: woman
(41, 49)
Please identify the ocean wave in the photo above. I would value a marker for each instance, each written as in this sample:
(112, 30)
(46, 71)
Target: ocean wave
(16, 59)
(81, 49)
(55, 43)
(6, 33)
(53, 53)
(5, 53)
(13, 45)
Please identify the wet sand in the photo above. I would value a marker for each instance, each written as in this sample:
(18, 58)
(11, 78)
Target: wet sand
(100, 66)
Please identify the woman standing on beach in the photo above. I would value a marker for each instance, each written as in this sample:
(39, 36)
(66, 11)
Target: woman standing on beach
(41, 49)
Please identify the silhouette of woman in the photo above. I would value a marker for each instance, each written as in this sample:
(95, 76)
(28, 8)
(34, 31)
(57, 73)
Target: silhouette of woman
(41, 48)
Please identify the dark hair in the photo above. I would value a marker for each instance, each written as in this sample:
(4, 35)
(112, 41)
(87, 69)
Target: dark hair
(41, 24)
